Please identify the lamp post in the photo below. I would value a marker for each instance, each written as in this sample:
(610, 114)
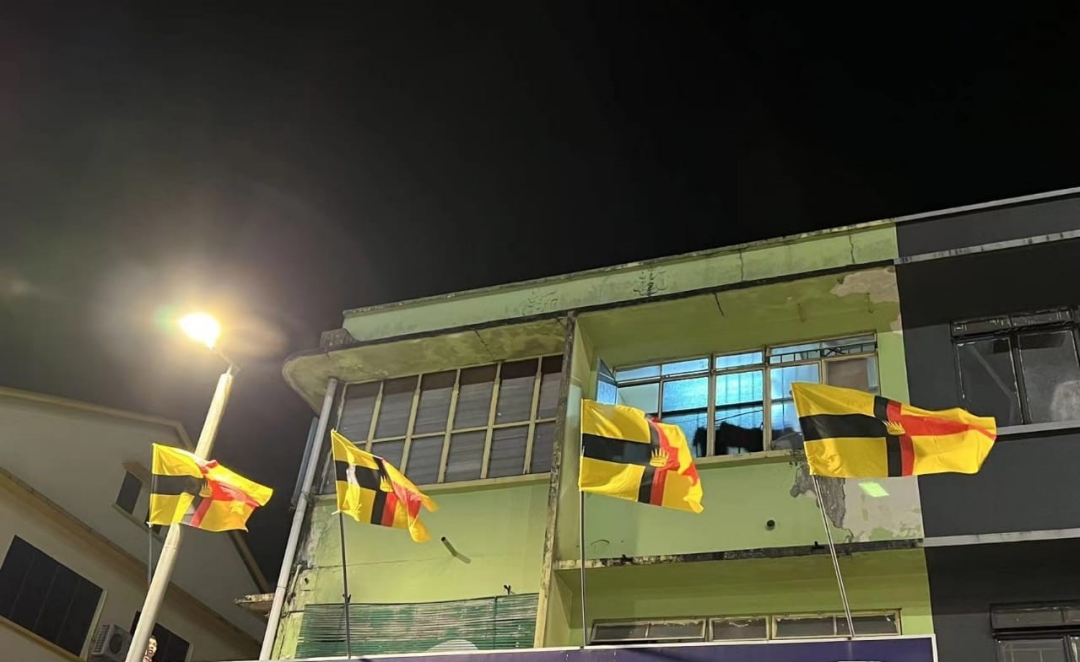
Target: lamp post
(204, 329)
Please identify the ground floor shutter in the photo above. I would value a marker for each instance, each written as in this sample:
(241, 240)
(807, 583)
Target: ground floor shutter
(503, 622)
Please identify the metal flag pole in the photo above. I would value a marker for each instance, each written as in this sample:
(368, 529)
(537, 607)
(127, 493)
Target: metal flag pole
(345, 586)
(159, 583)
(832, 552)
(581, 544)
(298, 523)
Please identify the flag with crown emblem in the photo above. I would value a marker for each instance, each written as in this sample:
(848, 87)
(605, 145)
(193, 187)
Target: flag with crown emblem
(627, 455)
(373, 491)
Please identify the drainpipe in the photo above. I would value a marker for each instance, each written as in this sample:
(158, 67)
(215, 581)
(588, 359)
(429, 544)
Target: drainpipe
(297, 523)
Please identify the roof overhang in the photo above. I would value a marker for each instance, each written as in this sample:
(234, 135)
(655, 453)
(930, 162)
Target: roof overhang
(308, 373)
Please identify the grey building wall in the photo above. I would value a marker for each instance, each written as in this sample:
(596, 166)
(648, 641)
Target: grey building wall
(966, 581)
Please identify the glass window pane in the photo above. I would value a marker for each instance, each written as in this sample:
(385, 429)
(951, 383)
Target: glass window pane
(425, 454)
(396, 406)
(848, 346)
(684, 367)
(550, 383)
(1049, 649)
(685, 395)
(792, 353)
(434, 408)
(516, 382)
(734, 629)
(390, 451)
(630, 374)
(780, 379)
(870, 625)
(543, 446)
(738, 360)
(800, 627)
(1051, 375)
(645, 397)
(129, 493)
(987, 380)
(685, 631)
(474, 397)
(859, 374)
(739, 388)
(694, 426)
(355, 423)
(508, 451)
(739, 430)
(619, 631)
(785, 419)
(466, 456)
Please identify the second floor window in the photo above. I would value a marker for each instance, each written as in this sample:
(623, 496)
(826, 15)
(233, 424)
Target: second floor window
(489, 421)
(746, 396)
(1020, 369)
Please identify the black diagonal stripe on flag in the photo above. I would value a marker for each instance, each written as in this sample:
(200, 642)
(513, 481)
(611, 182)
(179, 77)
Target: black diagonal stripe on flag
(649, 476)
(366, 477)
(378, 507)
(175, 485)
(892, 442)
(618, 451)
(842, 426)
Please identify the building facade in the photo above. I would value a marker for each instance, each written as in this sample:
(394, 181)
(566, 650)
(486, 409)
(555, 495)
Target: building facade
(476, 397)
(74, 544)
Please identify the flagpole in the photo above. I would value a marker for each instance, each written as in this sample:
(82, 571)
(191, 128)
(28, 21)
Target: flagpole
(159, 584)
(835, 559)
(581, 543)
(345, 586)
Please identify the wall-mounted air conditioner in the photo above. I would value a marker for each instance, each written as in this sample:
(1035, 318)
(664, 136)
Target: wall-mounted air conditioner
(110, 644)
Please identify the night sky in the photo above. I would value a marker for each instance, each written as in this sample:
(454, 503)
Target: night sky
(280, 166)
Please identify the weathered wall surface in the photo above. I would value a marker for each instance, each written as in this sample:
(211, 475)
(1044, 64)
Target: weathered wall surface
(498, 533)
(632, 282)
(875, 581)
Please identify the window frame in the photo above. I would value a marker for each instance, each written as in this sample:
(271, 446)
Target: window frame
(145, 478)
(532, 422)
(765, 366)
(770, 625)
(1013, 326)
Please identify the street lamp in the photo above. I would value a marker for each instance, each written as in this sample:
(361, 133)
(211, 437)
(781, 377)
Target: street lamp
(205, 330)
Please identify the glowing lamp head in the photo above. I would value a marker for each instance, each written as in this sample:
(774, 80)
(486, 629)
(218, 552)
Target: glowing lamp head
(201, 328)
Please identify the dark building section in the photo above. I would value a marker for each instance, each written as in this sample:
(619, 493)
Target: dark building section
(1012, 602)
(996, 333)
(994, 328)
(989, 226)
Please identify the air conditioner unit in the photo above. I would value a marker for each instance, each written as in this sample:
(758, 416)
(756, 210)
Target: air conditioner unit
(110, 644)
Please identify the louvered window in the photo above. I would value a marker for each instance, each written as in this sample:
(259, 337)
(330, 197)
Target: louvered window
(501, 623)
(492, 421)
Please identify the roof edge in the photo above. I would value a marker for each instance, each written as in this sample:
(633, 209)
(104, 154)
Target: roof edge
(176, 426)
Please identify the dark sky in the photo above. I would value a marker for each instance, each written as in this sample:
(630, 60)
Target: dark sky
(282, 165)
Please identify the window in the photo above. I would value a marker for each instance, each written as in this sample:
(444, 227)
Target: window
(46, 597)
(735, 391)
(1042, 649)
(170, 646)
(1037, 633)
(746, 628)
(1020, 369)
(489, 421)
(131, 491)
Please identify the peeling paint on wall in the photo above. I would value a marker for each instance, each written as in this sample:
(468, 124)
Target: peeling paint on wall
(832, 493)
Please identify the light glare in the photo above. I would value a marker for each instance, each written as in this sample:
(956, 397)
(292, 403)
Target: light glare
(201, 328)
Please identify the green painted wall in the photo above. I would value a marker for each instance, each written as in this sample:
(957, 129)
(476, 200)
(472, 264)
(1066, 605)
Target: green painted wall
(801, 585)
(500, 529)
(830, 249)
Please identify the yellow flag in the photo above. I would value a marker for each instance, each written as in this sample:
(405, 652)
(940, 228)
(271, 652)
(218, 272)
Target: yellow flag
(201, 493)
(373, 491)
(628, 456)
(854, 434)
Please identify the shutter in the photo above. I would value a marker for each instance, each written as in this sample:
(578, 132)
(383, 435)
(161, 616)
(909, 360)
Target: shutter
(474, 397)
(425, 454)
(390, 451)
(356, 414)
(501, 623)
(434, 407)
(466, 456)
(515, 391)
(508, 451)
(543, 446)
(395, 408)
(550, 381)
